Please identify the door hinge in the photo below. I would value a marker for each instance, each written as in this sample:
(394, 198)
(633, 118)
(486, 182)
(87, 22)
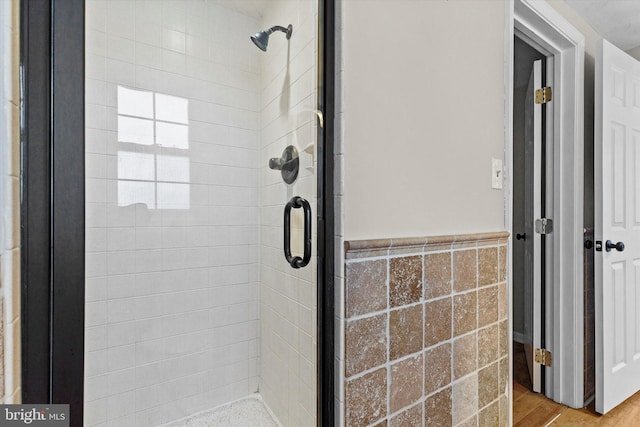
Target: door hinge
(544, 226)
(543, 356)
(543, 95)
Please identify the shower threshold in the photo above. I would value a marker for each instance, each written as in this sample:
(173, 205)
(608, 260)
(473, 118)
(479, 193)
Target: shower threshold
(248, 411)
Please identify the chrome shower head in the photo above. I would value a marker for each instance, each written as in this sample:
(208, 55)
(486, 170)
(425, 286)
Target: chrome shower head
(261, 39)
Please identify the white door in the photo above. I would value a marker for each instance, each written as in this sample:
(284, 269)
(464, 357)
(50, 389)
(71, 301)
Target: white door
(617, 219)
(533, 203)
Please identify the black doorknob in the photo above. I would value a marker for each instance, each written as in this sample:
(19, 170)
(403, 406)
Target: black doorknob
(522, 236)
(588, 244)
(617, 246)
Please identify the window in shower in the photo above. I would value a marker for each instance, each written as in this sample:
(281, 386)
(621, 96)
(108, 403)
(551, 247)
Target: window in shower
(153, 142)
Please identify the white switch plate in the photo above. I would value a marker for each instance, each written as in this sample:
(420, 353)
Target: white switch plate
(496, 174)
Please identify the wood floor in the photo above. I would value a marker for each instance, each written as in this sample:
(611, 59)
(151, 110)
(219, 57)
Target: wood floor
(534, 410)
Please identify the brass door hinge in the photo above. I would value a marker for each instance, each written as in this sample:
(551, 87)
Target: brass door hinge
(543, 95)
(543, 356)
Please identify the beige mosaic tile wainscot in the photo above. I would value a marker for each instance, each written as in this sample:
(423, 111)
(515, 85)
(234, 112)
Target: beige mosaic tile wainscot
(426, 331)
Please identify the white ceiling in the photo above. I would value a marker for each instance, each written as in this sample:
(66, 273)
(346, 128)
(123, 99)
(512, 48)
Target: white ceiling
(616, 20)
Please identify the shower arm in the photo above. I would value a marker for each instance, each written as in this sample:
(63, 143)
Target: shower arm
(286, 30)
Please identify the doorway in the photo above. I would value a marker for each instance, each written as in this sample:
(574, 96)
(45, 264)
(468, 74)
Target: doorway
(544, 28)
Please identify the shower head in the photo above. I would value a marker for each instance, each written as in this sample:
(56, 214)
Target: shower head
(261, 39)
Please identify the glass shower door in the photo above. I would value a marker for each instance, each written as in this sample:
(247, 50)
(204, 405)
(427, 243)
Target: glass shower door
(191, 305)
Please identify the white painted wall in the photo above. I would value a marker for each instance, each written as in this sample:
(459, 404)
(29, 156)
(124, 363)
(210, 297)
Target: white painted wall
(10, 385)
(423, 116)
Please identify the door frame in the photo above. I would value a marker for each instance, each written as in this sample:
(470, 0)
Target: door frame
(544, 26)
(326, 214)
(52, 202)
(52, 37)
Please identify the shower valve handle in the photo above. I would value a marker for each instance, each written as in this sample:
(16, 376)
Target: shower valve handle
(287, 164)
(276, 163)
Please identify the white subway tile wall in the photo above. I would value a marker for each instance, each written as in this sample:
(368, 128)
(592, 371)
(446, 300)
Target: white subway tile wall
(288, 306)
(190, 303)
(173, 138)
(10, 385)
(339, 193)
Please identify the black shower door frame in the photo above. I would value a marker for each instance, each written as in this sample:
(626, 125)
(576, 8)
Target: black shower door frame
(52, 38)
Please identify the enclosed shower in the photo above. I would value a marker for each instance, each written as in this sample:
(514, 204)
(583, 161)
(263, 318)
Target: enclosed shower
(193, 312)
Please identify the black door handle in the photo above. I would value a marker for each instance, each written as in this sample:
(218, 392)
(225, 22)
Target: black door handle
(522, 236)
(295, 261)
(617, 246)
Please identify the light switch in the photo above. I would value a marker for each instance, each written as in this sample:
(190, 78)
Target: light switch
(496, 174)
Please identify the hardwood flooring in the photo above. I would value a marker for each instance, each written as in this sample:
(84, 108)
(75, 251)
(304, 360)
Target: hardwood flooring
(534, 410)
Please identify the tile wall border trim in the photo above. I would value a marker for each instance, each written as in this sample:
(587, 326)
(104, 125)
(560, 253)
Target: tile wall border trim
(373, 247)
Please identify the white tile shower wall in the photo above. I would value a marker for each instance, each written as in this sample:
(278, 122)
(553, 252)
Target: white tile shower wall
(10, 386)
(173, 138)
(339, 299)
(288, 296)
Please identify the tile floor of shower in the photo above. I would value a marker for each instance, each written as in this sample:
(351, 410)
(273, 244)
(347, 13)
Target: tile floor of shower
(248, 411)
